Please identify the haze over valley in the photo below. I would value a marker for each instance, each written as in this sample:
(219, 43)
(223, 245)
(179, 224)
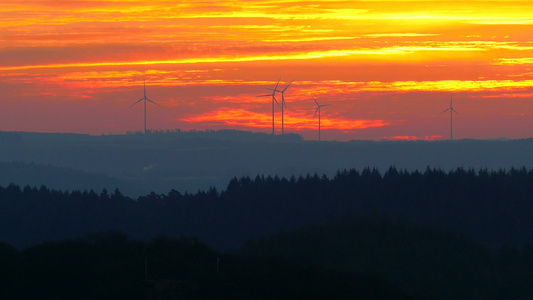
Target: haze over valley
(190, 160)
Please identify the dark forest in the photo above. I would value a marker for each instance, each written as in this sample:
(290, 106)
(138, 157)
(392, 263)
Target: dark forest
(462, 234)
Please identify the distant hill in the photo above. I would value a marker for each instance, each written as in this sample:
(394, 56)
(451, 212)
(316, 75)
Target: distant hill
(193, 160)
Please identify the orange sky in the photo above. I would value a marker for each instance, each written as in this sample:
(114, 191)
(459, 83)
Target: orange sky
(386, 68)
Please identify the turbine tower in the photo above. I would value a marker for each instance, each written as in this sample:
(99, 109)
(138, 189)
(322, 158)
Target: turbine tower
(451, 116)
(318, 111)
(273, 95)
(145, 99)
(283, 106)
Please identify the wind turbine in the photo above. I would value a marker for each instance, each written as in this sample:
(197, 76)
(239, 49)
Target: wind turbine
(145, 99)
(451, 116)
(283, 105)
(318, 111)
(273, 100)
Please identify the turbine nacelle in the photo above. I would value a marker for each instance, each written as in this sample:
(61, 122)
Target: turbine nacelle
(144, 98)
(318, 107)
(318, 110)
(450, 108)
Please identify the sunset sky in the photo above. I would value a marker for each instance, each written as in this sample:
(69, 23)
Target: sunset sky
(387, 69)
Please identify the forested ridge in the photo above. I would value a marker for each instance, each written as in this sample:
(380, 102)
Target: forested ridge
(493, 207)
(462, 234)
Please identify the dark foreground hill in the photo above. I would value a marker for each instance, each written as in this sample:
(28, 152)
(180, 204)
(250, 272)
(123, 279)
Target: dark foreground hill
(352, 258)
(112, 266)
(188, 161)
(427, 262)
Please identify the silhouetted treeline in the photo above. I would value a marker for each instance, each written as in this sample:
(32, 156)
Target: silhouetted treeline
(223, 134)
(113, 266)
(59, 178)
(494, 207)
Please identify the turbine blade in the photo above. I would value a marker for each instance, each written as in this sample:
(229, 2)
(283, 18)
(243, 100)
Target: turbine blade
(276, 101)
(277, 84)
(152, 102)
(455, 111)
(137, 102)
(316, 111)
(447, 109)
(288, 86)
(267, 95)
(316, 102)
